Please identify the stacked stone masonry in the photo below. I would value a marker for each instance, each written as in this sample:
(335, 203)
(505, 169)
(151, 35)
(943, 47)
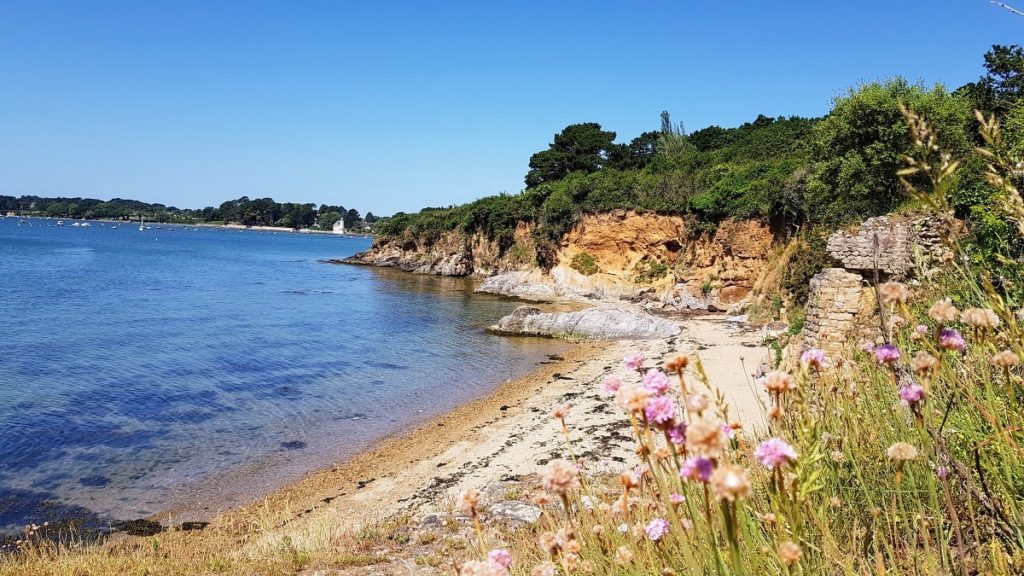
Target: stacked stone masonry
(839, 300)
(834, 302)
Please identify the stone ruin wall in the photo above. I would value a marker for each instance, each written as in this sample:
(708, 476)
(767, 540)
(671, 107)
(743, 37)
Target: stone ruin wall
(841, 302)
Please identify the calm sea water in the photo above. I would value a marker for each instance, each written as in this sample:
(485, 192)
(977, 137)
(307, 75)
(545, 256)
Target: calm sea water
(193, 369)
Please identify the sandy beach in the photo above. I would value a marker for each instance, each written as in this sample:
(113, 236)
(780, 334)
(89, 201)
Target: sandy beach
(506, 435)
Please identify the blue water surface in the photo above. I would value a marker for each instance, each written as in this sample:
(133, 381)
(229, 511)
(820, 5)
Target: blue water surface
(196, 368)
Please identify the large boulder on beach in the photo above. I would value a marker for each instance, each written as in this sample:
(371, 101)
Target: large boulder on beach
(597, 323)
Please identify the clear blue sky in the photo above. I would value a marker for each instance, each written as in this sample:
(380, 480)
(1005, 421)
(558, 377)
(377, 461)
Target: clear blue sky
(388, 106)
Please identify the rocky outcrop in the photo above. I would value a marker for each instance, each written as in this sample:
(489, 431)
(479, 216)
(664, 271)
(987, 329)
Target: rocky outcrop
(659, 260)
(597, 323)
(450, 254)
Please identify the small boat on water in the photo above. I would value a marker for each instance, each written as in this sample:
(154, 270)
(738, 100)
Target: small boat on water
(60, 222)
(142, 223)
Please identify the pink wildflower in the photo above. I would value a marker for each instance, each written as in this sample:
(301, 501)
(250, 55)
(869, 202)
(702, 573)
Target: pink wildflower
(951, 339)
(696, 468)
(660, 410)
(887, 354)
(634, 361)
(676, 498)
(677, 434)
(912, 394)
(656, 529)
(728, 432)
(656, 382)
(813, 358)
(774, 452)
(612, 384)
(501, 557)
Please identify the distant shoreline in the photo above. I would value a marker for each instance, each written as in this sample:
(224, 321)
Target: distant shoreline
(204, 225)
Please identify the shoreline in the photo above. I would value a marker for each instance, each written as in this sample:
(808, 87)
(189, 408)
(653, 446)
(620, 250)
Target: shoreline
(504, 436)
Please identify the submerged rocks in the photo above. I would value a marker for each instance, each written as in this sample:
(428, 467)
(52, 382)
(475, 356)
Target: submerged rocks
(598, 323)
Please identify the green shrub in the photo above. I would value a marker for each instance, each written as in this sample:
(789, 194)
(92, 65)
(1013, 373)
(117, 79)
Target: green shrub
(584, 263)
(649, 270)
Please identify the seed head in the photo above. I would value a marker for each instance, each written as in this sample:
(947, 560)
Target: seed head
(677, 363)
(923, 362)
(894, 293)
(789, 553)
(1004, 359)
(469, 501)
(730, 482)
(705, 438)
(980, 318)
(901, 452)
(943, 311)
(560, 477)
(779, 381)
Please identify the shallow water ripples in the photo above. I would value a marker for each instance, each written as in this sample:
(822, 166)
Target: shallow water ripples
(141, 370)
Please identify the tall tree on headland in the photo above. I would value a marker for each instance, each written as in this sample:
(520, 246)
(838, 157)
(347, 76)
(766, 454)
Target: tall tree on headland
(577, 148)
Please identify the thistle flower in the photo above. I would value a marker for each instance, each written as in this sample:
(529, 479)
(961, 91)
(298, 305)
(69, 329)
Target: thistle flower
(789, 553)
(778, 381)
(612, 384)
(912, 394)
(660, 410)
(632, 398)
(656, 529)
(887, 354)
(560, 477)
(774, 452)
(943, 311)
(634, 361)
(1004, 359)
(705, 438)
(813, 358)
(894, 293)
(951, 339)
(677, 363)
(696, 469)
(901, 452)
(923, 362)
(980, 318)
(730, 482)
(656, 382)
(469, 501)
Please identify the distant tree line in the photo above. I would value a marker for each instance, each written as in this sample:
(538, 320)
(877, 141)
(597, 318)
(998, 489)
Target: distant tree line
(244, 211)
(797, 173)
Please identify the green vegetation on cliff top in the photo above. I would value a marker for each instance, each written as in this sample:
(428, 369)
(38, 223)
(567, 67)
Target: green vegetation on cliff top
(793, 172)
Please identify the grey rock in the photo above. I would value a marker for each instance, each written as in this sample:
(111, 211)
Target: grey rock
(514, 510)
(519, 285)
(598, 323)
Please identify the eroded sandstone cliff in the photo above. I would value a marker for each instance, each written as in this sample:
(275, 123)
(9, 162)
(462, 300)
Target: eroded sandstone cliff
(670, 259)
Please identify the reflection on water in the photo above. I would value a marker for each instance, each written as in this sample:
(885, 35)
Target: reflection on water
(197, 367)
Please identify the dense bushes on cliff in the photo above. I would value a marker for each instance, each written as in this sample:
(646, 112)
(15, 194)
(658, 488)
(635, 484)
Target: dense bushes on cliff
(796, 172)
